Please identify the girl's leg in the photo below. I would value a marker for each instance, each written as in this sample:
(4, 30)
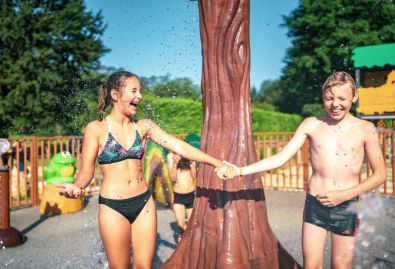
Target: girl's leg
(143, 232)
(115, 234)
(313, 243)
(342, 251)
(179, 212)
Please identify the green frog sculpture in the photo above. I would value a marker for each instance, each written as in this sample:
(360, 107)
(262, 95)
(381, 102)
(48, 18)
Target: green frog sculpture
(61, 169)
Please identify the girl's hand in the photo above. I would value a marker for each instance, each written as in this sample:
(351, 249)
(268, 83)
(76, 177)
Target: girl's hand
(227, 171)
(69, 190)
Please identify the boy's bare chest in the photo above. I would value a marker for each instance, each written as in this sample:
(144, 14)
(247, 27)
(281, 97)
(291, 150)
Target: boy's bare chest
(336, 140)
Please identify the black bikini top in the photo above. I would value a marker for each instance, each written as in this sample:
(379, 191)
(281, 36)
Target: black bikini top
(114, 152)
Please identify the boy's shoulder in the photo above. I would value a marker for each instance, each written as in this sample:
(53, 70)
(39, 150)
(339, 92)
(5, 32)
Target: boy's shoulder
(311, 123)
(364, 125)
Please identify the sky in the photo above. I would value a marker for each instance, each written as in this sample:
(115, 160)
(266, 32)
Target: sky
(160, 37)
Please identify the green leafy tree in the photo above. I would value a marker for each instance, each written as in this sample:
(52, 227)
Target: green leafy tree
(179, 87)
(253, 93)
(323, 34)
(270, 92)
(48, 52)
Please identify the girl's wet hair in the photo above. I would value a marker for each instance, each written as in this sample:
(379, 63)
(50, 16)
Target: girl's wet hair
(337, 79)
(184, 164)
(115, 82)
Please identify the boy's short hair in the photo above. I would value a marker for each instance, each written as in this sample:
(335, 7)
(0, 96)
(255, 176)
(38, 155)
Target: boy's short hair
(339, 78)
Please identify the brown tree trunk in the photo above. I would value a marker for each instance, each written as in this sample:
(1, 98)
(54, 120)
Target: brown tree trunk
(229, 226)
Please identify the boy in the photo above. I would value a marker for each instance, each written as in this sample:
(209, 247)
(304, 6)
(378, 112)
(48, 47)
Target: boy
(337, 143)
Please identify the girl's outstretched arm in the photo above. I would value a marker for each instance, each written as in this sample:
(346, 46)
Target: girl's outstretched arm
(176, 145)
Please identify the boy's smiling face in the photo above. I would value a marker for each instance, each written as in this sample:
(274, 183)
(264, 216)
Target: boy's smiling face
(338, 101)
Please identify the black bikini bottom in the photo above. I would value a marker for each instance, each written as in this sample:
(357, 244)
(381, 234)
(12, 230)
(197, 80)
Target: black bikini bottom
(338, 219)
(186, 199)
(130, 208)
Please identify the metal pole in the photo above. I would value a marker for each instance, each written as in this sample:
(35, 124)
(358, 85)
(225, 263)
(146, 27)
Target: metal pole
(9, 236)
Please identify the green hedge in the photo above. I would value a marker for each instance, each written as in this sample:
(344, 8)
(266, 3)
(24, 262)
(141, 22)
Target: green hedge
(270, 121)
(181, 115)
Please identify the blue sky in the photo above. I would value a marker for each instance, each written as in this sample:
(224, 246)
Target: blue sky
(159, 37)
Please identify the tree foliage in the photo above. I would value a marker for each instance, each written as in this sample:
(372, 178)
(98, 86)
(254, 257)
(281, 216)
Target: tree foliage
(178, 87)
(323, 35)
(48, 51)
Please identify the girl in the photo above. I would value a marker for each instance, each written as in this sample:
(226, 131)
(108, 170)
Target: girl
(127, 213)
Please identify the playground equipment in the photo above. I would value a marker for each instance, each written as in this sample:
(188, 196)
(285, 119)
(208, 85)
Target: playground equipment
(9, 236)
(61, 169)
(156, 172)
(375, 78)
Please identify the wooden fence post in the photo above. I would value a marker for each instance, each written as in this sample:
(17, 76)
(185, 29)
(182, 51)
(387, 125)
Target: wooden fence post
(34, 170)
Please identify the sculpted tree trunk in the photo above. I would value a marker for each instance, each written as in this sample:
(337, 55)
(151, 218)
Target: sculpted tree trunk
(229, 226)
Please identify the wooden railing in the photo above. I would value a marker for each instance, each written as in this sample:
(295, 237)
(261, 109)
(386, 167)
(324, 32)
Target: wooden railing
(30, 156)
(294, 174)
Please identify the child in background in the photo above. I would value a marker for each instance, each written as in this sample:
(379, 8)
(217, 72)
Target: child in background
(183, 173)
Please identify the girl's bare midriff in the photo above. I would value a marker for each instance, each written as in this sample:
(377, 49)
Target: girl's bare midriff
(122, 180)
(185, 182)
(336, 157)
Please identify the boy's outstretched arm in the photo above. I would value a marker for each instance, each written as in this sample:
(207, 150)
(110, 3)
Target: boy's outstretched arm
(377, 163)
(278, 159)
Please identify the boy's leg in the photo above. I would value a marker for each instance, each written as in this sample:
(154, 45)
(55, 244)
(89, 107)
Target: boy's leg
(313, 243)
(342, 251)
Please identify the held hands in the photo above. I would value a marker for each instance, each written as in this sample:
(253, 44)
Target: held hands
(333, 198)
(227, 171)
(69, 190)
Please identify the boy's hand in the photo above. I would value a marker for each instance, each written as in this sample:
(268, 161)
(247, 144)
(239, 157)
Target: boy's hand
(333, 198)
(221, 171)
(228, 171)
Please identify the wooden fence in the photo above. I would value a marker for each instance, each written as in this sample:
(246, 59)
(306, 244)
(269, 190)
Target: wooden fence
(30, 156)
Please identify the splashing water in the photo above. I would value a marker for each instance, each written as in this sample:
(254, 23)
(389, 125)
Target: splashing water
(373, 242)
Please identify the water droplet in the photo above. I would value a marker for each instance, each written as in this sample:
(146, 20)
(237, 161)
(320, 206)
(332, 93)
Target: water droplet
(365, 243)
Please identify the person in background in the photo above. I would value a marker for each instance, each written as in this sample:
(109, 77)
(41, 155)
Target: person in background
(183, 174)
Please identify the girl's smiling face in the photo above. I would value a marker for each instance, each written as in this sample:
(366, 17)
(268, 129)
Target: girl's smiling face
(130, 97)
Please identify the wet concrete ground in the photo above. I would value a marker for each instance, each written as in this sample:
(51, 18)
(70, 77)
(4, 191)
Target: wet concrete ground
(73, 241)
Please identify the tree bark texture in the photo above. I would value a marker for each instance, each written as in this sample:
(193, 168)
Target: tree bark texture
(229, 226)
